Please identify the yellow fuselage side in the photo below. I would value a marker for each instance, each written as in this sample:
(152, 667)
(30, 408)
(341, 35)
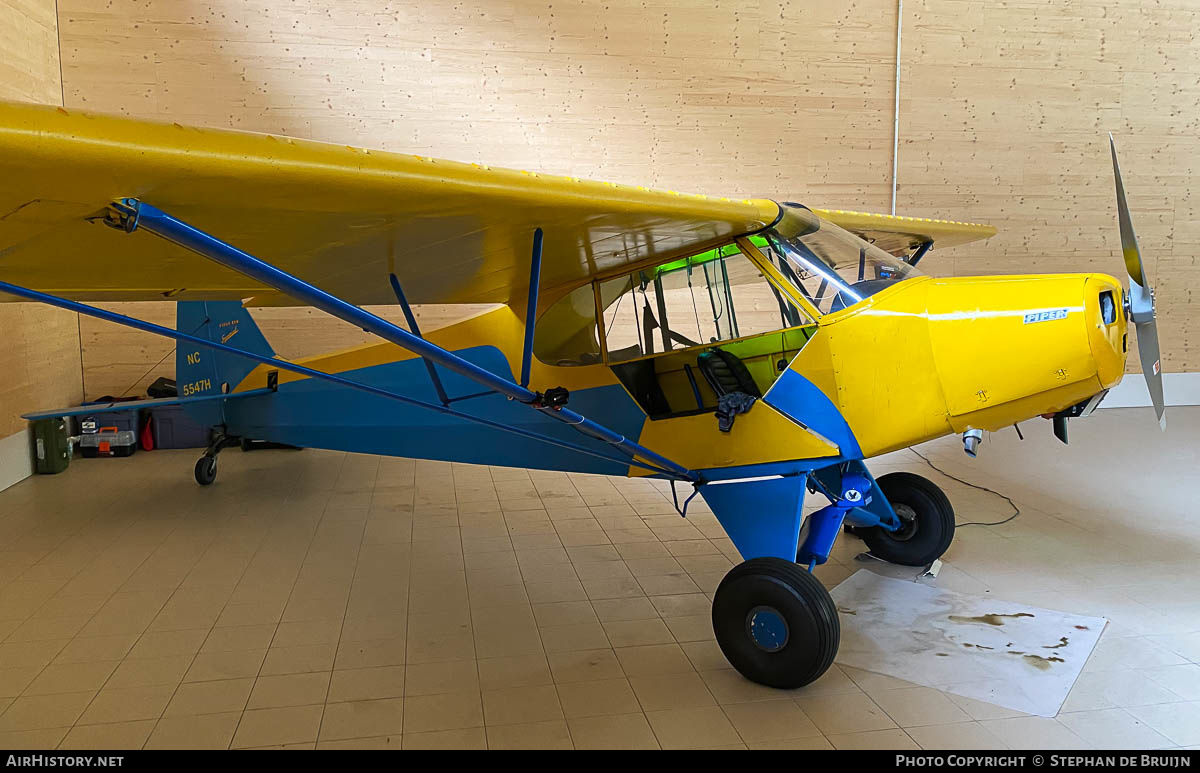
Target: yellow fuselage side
(930, 357)
(922, 359)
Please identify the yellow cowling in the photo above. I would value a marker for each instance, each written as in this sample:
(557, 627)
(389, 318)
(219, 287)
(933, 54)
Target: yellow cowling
(929, 357)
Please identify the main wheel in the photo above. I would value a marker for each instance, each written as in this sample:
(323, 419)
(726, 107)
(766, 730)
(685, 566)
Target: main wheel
(776, 623)
(927, 521)
(206, 470)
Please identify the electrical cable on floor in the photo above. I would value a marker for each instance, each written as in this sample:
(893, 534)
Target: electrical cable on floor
(1012, 504)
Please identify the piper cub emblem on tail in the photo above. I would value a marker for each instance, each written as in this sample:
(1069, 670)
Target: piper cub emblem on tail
(755, 352)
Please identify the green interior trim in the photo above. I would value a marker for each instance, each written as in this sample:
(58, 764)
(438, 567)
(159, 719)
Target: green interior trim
(726, 251)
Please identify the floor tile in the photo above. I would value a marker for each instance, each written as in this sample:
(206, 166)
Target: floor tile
(597, 698)
(841, 713)
(914, 706)
(693, 728)
(118, 735)
(770, 721)
(289, 690)
(1113, 729)
(215, 697)
(270, 727)
(873, 739)
(623, 731)
(360, 719)
(552, 734)
(445, 711)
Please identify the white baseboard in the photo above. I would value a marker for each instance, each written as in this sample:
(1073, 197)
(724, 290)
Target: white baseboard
(1178, 389)
(16, 459)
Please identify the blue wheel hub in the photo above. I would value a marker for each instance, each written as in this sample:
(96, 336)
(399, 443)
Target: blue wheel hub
(767, 629)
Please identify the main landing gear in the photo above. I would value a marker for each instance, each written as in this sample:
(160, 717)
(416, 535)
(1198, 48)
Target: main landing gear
(775, 622)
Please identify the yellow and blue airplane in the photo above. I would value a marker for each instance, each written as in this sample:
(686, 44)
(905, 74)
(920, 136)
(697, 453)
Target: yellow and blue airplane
(749, 351)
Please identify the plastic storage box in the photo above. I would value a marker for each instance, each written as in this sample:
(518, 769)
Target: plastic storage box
(108, 441)
(126, 421)
(173, 428)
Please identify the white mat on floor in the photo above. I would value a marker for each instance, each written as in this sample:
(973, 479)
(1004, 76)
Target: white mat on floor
(1008, 654)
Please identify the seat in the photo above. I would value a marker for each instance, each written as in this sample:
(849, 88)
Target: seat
(726, 374)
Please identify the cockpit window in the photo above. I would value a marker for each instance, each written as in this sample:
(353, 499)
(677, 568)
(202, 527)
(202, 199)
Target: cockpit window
(831, 267)
(718, 295)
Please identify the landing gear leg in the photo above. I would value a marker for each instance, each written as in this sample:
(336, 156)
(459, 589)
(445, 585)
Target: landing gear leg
(773, 620)
(206, 466)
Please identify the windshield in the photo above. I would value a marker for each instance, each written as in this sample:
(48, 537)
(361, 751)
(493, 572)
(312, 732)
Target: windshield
(831, 267)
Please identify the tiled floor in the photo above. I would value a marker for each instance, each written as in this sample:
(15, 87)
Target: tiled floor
(315, 598)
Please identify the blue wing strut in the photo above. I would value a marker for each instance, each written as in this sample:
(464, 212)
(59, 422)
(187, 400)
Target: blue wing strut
(134, 214)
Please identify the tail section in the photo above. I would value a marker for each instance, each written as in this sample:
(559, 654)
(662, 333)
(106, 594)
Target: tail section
(201, 371)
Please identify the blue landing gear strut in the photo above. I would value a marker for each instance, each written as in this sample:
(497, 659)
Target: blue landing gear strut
(854, 498)
(773, 619)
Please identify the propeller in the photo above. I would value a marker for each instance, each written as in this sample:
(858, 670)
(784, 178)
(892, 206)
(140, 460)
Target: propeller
(1139, 301)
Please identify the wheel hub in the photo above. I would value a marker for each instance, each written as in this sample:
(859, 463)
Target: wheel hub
(908, 522)
(767, 628)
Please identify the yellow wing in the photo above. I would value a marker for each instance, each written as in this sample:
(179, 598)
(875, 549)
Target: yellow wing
(899, 235)
(336, 216)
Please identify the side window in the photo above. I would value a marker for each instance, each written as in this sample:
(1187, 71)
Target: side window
(715, 296)
(566, 332)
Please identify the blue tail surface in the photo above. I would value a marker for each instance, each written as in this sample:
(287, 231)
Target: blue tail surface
(200, 371)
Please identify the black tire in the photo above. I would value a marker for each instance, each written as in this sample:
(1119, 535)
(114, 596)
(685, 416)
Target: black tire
(206, 470)
(777, 591)
(928, 516)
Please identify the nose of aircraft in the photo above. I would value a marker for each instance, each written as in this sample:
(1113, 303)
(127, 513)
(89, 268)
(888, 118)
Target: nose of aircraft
(1009, 348)
(1108, 335)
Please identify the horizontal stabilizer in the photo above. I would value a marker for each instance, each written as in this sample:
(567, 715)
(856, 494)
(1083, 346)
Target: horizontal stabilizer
(132, 405)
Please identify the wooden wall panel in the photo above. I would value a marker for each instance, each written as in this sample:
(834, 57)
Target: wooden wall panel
(39, 356)
(1005, 114)
(1004, 108)
(121, 361)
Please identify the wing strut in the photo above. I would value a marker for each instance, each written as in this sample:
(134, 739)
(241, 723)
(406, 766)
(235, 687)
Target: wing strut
(412, 325)
(923, 248)
(133, 214)
(535, 279)
(149, 327)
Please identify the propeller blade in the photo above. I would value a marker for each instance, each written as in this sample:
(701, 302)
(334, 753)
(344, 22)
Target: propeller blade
(1129, 245)
(1141, 298)
(1147, 339)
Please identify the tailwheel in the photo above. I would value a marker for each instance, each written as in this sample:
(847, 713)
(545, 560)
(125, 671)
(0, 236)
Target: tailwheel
(776, 623)
(206, 466)
(206, 470)
(926, 517)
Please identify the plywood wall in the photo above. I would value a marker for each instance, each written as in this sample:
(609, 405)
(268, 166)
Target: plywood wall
(1005, 114)
(124, 362)
(40, 353)
(1004, 108)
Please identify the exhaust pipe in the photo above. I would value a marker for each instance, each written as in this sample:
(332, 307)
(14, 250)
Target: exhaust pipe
(971, 440)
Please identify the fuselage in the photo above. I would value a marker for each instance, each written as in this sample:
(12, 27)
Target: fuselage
(920, 359)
